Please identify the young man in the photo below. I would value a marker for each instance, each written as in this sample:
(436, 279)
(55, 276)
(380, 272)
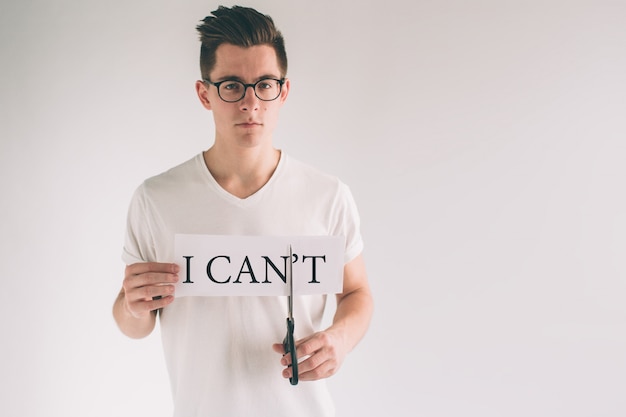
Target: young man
(224, 354)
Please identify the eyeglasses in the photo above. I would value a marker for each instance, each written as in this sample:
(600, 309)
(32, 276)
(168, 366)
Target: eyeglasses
(231, 91)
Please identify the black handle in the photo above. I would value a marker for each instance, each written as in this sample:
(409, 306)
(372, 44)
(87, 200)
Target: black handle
(290, 347)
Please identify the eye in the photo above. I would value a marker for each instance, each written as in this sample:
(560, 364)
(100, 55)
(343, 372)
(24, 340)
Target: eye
(266, 84)
(231, 86)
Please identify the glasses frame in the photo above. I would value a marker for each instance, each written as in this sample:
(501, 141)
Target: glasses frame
(281, 82)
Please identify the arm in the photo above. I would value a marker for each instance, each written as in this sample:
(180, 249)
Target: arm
(354, 306)
(135, 308)
(328, 349)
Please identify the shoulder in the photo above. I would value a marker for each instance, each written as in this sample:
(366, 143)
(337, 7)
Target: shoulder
(309, 174)
(176, 177)
(170, 185)
(315, 185)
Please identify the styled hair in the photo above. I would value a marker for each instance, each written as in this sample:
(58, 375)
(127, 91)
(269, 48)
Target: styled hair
(239, 26)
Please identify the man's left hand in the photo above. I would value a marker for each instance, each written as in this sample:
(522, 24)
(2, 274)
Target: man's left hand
(319, 356)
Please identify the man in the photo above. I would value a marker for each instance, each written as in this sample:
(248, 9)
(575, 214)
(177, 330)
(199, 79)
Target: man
(224, 354)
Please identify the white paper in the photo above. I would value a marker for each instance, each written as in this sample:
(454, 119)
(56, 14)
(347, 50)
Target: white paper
(255, 265)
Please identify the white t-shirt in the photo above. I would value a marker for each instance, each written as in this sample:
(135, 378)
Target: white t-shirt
(218, 350)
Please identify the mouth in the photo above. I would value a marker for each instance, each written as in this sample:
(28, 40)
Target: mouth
(248, 125)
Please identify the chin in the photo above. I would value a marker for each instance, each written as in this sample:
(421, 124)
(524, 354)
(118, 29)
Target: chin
(252, 141)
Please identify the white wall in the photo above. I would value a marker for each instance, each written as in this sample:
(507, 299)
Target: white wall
(483, 141)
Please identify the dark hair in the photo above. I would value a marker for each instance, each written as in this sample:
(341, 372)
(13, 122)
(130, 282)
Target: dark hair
(239, 26)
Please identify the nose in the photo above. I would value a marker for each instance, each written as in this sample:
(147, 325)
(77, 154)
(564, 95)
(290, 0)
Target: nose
(249, 101)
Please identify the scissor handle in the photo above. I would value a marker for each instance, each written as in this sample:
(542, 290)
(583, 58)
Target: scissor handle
(289, 346)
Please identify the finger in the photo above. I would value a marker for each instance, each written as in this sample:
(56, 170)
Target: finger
(156, 304)
(278, 348)
(288, 373)
(142, 307)
(304, 348)
(322, 364)
(148, 292)
(311, 344)
(148, 278)
(145, 267)
(286, 360)
(313, 361)
(325, 370)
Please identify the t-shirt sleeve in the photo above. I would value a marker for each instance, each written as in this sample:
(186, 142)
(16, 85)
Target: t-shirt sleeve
(350, 223)
(139, 242)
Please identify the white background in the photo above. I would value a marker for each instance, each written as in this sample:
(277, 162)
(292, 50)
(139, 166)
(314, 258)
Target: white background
(484, 142)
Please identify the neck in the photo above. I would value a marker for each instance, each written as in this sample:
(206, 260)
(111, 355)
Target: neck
(242, 172)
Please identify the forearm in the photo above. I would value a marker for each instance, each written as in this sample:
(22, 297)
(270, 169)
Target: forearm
(131, 326)
(353, 316)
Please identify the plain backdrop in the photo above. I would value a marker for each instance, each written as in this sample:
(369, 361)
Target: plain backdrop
(484, 142)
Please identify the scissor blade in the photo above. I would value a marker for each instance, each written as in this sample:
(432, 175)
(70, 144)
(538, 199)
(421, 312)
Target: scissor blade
(290, 282)
(289, 342)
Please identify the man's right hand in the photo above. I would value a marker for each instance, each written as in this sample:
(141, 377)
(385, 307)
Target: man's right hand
(149, 286)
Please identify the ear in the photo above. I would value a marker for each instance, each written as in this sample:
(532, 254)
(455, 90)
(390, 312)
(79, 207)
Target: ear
(285, 90)
(203, 94)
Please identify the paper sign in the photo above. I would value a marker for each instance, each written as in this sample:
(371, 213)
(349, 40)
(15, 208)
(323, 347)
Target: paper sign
(256, 265)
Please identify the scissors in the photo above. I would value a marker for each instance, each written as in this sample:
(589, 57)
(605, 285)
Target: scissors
(289, 342)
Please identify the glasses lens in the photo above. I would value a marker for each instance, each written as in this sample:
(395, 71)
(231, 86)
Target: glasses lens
(267, 89)
(231, 90)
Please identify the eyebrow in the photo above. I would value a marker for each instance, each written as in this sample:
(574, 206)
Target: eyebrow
(236, 78)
